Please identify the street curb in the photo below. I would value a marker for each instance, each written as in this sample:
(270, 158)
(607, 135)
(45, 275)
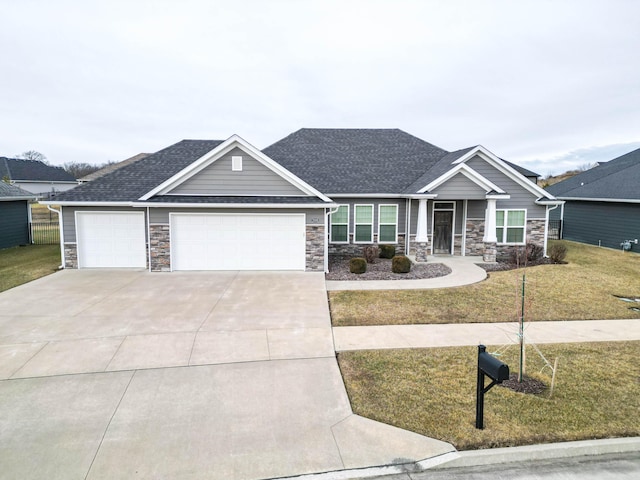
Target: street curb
(472, 458)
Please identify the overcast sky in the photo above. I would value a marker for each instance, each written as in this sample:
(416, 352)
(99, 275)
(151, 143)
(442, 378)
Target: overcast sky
(550, 85)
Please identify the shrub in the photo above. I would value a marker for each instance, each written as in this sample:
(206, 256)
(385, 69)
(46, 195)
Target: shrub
(357, 265)
(400, 264)
(531, 253)
(387, 251)
(370, 253)
(557, 252)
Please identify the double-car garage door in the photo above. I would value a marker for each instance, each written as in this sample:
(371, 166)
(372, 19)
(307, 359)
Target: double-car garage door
(198, 241)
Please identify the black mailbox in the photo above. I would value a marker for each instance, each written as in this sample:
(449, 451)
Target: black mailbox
(494, 369)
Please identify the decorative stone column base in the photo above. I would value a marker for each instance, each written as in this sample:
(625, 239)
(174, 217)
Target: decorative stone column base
(70, 255)
(489, 253)
(422, 250)
(160, 248)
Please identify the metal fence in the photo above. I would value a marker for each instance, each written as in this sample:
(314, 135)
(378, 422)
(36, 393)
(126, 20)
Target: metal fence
(44, 233)
(555, 229)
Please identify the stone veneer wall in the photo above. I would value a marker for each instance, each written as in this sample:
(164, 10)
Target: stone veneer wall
(160, 247)
(474, 246)
(314, 252)
(355, 249)
(70, 255)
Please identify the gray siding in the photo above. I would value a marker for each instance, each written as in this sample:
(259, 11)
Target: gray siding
(400, 202)
(14, 223)
(520, 198)
(459, 187)
(314, 216)
(604, 223)
(475, 209)
(219, 179)
(69, 218)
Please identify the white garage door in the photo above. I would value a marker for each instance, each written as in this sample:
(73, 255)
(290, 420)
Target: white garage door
(110, 239)
(237, 242)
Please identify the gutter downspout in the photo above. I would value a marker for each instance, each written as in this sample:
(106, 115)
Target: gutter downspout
(60, 224)
(546, 228)
(326, 236)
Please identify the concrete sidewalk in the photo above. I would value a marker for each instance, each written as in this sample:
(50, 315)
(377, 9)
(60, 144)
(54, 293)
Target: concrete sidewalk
(422, 336)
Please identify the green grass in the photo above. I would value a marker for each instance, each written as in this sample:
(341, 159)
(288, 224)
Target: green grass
(582, 289)
(432, 392)
(20, 265)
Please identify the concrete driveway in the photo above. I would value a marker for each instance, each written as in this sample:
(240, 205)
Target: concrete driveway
(130, 374)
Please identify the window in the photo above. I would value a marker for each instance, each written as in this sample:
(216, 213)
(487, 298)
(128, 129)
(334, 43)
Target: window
(510, 226)
(236, 163)
(340, 225)
(388, 224)
(363, 224)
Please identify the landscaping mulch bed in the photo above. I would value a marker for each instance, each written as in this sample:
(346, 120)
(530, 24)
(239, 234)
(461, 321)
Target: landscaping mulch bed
(381, 270)
(528, 384)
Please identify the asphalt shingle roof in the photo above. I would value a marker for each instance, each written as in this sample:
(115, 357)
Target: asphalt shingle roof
(615, 179)
(334, 161)
(129, 183)
(32, 170)
(114, 166)
(357, 161)
(8, 191)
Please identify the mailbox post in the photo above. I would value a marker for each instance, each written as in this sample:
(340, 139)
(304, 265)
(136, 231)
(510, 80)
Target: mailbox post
(496, 371)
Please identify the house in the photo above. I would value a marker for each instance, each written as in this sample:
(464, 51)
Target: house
(225, 205)
(35, 176)
(14, 215)
(602, 205)
(111, 167)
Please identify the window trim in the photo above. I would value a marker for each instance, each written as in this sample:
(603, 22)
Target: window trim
(505, 228)
(380, 223)
(346, 241)
(355, 222)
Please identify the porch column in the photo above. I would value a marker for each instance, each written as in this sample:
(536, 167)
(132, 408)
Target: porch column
(490, 240)
(490, 222)
(421, 229)
(422, 237)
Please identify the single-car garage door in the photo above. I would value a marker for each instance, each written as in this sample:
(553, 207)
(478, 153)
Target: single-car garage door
(237, 241)
(110, 239)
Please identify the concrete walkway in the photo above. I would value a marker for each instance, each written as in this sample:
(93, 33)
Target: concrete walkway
(422, 336)
(464, 271)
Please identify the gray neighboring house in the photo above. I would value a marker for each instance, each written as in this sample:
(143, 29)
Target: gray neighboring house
(225, 205)
(15, 215)
(602, 205)
(35, 176)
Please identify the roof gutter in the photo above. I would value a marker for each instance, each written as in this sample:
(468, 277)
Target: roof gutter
(612, 200)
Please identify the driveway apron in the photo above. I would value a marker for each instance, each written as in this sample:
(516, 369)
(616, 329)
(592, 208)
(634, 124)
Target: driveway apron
(229, 375)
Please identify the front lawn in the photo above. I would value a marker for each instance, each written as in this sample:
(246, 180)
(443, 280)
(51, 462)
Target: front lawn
(20, 265)
(432, 392)
(585, 288)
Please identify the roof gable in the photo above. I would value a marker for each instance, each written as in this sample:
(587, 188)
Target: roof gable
(464, 171)
(18, 169)
(223, 151)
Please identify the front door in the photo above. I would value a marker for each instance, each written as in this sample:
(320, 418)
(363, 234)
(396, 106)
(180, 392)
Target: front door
(442, 232)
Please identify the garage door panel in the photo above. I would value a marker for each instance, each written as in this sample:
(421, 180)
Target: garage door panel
(111, 239)
(237, 242)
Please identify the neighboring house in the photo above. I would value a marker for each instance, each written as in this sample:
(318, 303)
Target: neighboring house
(35, 176)
(602, 205)
(112, 167)
(14, 215)
(225, 205)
